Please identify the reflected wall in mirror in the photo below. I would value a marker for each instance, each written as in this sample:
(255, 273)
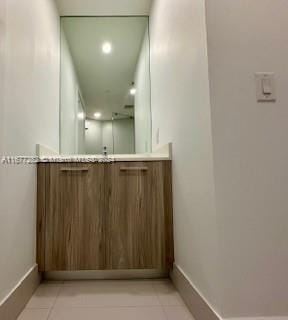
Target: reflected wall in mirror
(105, 85)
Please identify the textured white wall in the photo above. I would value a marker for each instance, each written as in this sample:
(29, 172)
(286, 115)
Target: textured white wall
(143, 130)
(30, 114)
(251, 154)
(181, 111)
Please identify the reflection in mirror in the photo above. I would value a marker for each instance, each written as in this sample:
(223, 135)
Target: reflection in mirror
(105, 85)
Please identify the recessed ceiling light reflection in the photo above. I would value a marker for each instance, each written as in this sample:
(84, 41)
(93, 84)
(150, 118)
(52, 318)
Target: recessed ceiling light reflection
(97, 115)
(107, 47)
(133, 91)
(81, 115)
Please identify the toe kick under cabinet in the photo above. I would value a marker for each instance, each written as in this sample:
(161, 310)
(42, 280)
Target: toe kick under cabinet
(94, 216)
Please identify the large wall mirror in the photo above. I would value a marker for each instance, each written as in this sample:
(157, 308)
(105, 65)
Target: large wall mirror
(105, 85)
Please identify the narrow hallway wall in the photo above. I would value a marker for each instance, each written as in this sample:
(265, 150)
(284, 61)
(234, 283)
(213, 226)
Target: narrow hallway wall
(30, 111)
(181, 113)
(250, 152)
(230, 183)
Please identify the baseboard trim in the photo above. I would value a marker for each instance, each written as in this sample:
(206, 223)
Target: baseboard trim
(199, 308)
(16, 300)
(260, 318)
(105, 274)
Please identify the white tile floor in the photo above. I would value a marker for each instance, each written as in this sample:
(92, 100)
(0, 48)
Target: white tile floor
(106, 300)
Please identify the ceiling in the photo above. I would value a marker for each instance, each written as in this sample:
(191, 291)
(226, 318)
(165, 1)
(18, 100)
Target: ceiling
(103, 7)
(105, 80)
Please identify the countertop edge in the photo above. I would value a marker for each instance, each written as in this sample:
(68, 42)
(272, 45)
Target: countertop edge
(164, 153)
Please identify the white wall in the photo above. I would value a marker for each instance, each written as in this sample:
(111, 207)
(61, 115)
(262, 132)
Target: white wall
(5, 287)
(103, 8)
(123, 136)
(142, 114)
(251, 154)
(181, 110)
(72, 128)
(93, 137)
(107, 136)
(232, 243)
(80, 128)
(2, 67)
(118, 136)
(69, 101)
(30, 115)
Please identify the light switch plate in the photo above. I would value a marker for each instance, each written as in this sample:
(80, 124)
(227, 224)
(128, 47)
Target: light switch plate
(265, 87)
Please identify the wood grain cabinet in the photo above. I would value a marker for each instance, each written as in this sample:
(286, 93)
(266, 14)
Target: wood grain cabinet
(104, 216)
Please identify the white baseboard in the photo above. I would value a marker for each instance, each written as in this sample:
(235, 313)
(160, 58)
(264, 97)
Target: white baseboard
(260, 318)
(16, 300)
(198, 306)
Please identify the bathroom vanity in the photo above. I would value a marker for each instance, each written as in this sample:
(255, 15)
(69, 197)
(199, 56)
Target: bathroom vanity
(105, 216)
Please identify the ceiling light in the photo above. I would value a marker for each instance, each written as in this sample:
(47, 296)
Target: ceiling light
(107, 47)
(133, 91)
(81, 115)
(97, 115)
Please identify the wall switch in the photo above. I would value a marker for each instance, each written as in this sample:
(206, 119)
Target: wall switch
(265, 86)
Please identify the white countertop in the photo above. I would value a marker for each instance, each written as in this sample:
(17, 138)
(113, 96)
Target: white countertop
(161, 154)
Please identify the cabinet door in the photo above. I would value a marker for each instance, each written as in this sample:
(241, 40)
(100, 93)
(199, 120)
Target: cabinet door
(136, 234)
(74, 217)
